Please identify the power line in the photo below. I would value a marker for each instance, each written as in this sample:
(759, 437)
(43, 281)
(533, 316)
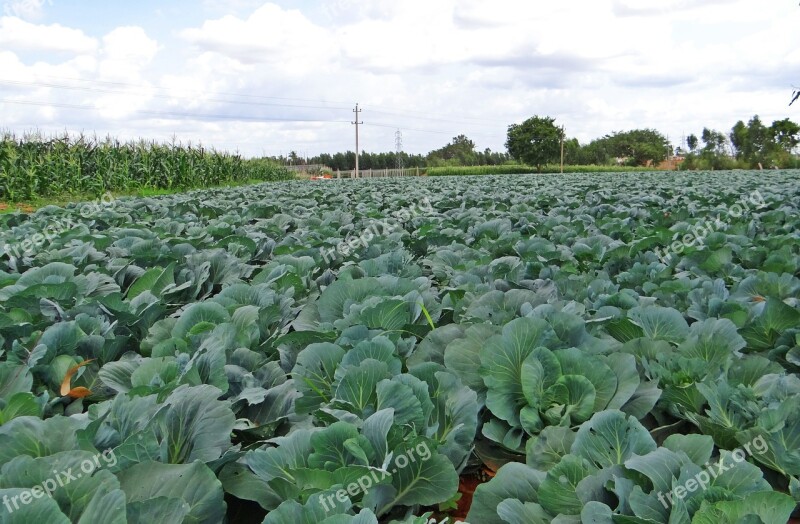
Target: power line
(171, 95)
(213, 93)
(394, 126)
(178, 114)
(154, 95)
(413, 114)
(201, 116)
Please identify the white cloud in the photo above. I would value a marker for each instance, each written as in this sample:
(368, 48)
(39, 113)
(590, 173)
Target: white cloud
(26, 9)
(648, 8)
(126, 51)
(19, 35)
(125, 55)
(230, 6)
(285, 40)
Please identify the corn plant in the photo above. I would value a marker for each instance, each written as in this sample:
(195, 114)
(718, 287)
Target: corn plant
(34, 166)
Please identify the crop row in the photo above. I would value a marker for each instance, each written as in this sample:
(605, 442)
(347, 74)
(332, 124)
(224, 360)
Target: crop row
(33, 166)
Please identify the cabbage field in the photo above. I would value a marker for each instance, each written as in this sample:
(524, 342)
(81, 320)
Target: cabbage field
(618, 348)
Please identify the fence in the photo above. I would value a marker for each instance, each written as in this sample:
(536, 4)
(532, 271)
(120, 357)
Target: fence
(378, 173)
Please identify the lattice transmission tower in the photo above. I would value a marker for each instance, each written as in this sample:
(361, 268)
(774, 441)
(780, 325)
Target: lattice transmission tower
(398, 147)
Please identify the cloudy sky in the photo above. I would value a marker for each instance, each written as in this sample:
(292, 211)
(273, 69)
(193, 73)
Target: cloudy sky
(267, 78)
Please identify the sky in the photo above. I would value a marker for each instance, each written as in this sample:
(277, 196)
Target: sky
(266, 78)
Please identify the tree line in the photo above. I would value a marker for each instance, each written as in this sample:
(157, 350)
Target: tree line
(749, 145)
(539, 141)
(459, 152)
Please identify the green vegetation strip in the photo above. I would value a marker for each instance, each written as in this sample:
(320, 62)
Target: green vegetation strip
(517, 169)
(34, 167)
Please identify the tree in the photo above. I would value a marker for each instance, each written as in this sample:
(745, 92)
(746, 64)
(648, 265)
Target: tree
(691, 142)
(785, 134)
(639, 147)
(595, 152)
(461, 151)
(491, 158)
(536, 141)
(759, 138)
(756, 143)
(714, 141)
(572, 150)
(740, 140)
(714, 154)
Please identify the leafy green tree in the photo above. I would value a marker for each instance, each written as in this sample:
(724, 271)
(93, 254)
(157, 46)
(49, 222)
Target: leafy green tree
(692, 142)
(714, 154)
(785, 134)
(536, 141)
(595, 152)
(740, 140)
(713, 141)
(640, 147)
(461, 151)
(759, 137)
(572, 151)
(756, 143)
(491, 158)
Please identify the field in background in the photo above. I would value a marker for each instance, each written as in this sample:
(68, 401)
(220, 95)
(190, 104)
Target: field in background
(516, 169)
(66, 199)
(33, 167)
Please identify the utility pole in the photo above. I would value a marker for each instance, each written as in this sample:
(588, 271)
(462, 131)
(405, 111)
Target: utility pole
(562, 150)
(669, 153)
(357, 123)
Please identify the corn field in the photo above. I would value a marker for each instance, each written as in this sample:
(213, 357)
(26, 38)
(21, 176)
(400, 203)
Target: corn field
(34, 166)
